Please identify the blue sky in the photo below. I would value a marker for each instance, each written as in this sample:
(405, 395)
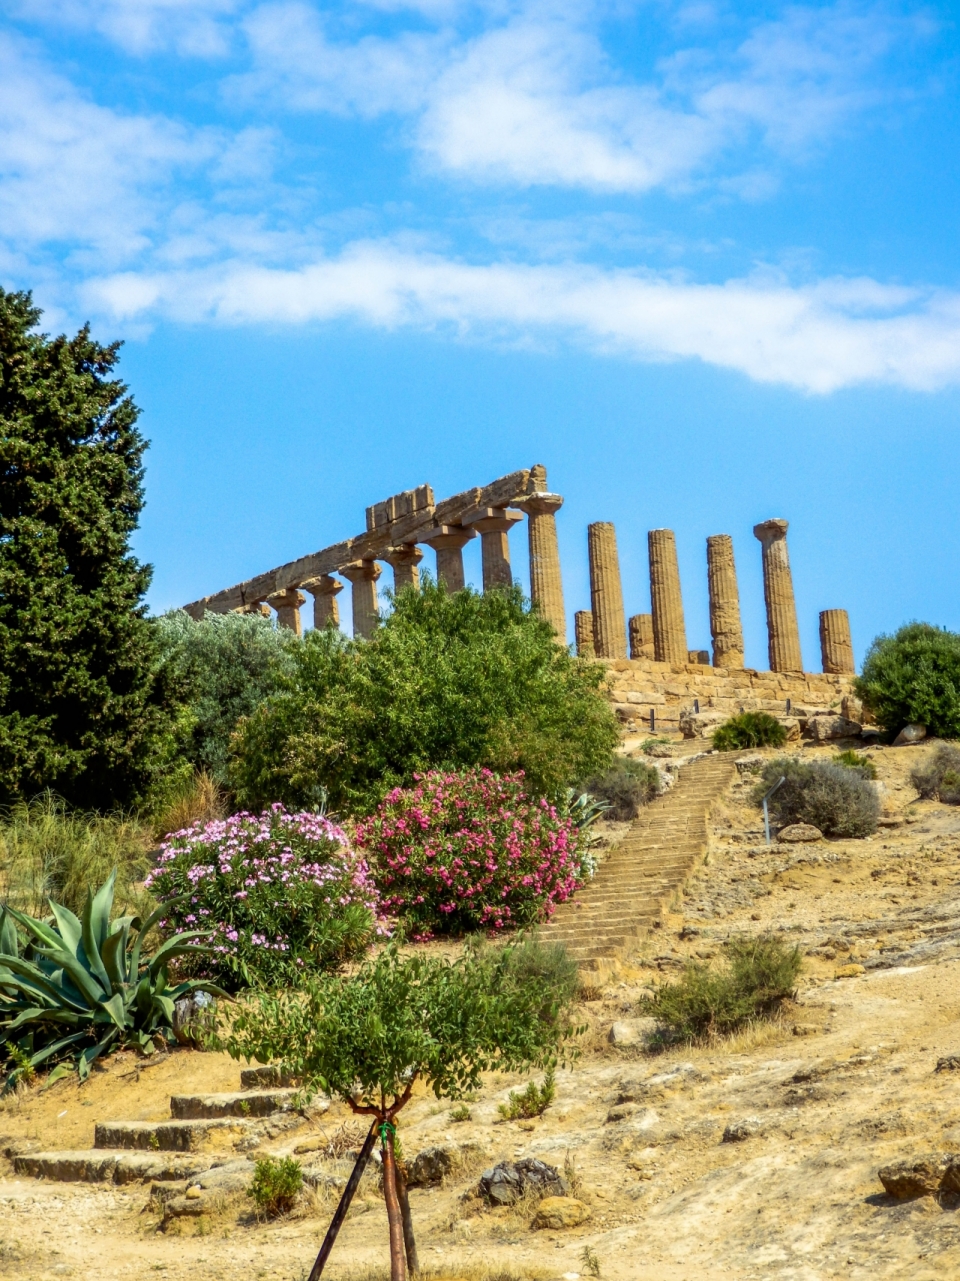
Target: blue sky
(699, 259)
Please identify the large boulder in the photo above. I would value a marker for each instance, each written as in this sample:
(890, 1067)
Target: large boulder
(915, 1177)
(509, 1181)
(798, 833)
(827, 727)
(910, 734)
(560, 1212)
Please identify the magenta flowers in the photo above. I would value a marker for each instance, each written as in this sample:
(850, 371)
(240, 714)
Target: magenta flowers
(469, 851)
(281, 893)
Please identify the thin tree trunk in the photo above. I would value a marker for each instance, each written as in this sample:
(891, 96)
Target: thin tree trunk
(341, 1212)
(398, 1271)
(409, 1240)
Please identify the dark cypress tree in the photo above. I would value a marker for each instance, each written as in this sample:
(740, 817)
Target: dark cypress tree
(80, 711)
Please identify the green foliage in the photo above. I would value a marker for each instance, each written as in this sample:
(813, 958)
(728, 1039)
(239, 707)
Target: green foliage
(81, 711)
(590, 1262)
(913, 678)
(219, 670)
(837, 799)
(624, 788)
(368, 1036)
(851, 759)
(749, 729)
(276, 1184)
(531, 1102)
(81, 988)
(708, 1001)
(446, 682)
(938, 776)
(50, 851)
(461, 1113)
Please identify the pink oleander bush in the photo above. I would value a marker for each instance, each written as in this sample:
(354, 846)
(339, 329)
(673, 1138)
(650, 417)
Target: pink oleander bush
(281, 893)
(469, 851)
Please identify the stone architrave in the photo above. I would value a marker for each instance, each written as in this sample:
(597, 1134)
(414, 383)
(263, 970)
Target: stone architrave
(362, 576)
(254, 607)
(583, 633)
(669, 629)
(405, 563)
(287, 604)
(836, 647)
(606, 593)
(448, 542)
(725, 626)
(640, 628)
(493, 525)
(546, 585)
(783, 634)
(324, 590)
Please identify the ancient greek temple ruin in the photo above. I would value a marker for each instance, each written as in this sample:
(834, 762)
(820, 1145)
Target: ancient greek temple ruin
(653, 675)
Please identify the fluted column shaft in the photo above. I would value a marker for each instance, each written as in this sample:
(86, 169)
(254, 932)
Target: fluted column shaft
(836, 646)
(448, 542)
(405, 563)
(725, 626)
(783, 634)
(640, 628)
(287, 604)
(493, 525)
(362, 576)
(669, 629)
(324, 590)
(606, 593)
(583, 633)
(546, 585)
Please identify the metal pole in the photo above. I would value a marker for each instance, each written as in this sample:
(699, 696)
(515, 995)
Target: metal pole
(766, 812)
(337, 1221)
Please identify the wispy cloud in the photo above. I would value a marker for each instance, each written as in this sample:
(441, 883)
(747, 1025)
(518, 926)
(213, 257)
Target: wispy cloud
(197, 28)
(820, 337)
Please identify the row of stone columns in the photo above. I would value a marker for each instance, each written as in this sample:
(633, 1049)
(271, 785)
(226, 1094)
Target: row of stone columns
(661, 635)
(493, 524)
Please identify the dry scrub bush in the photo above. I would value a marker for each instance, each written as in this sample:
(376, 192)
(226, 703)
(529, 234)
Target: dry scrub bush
(835, 798)
(625, 787)
(938, 777)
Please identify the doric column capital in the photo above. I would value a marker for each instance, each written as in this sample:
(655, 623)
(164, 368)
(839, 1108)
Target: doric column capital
(492, 520)
(538, 504)
(322, 586)
(358, 571)
(289, 598)
(447, 538)
(405, 554)
(769, 530)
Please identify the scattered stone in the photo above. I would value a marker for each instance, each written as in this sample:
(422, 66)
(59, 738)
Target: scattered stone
(851, 971)
(508, 1181)
(805, 1029)
(749, 764)
(560, 1212)
(949, 1063)
(891, 820)
(194, 1193)
(915, 1177)
(910, 734)
(193, 1018)
(738, 1131)
(825, 729)
(622, 1112)
(797, 833)
(432, 1166)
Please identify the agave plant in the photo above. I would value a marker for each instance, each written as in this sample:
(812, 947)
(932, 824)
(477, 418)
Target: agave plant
(81, 988)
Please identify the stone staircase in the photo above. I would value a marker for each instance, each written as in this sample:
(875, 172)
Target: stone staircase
(637, 881)
(205, 1131)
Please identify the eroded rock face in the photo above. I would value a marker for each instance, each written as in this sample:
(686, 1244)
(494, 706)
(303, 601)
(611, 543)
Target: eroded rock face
(825, 729)
(916, 1177)
(560, 1212)
(508, 1181)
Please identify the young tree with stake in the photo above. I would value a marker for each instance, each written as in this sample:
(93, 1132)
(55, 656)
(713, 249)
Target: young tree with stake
(368, 1039)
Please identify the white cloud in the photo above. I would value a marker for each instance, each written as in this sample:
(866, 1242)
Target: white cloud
(817, 338)
(192, 27)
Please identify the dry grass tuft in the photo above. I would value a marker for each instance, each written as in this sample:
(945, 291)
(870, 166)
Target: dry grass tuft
(198, 800)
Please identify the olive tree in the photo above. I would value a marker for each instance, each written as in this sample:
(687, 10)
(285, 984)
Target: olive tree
(369, 1038)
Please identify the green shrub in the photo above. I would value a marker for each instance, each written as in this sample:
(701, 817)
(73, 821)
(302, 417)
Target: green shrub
(276, 1184)
(217, 671)
(749, 729)
(80, 988)
(48, 850)
(531, 1102)
(938, 776)
(708, 1001)
(461, 1113)
(626, 787)
(913, 678)
(838, 800)
(446, 682)
(851, 759)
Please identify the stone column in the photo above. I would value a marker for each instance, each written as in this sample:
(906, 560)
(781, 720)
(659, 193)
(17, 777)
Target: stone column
(546, 586)
(606, 594)
(640, 627)
(287, 604)
(725, 627)
(405, 562)
(583, 633)
(836, 647)
(669, 629)
(324, 590)
(448, 542)
(783, 634)
(362, 576)
(493, 526)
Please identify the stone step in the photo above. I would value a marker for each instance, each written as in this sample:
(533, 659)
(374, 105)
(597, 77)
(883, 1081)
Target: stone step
(170, 1136)
(243, 1103)
(94, 1165)
(268, 1077)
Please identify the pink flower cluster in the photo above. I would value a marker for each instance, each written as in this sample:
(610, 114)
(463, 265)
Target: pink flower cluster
(470, 851)
(273, 890)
